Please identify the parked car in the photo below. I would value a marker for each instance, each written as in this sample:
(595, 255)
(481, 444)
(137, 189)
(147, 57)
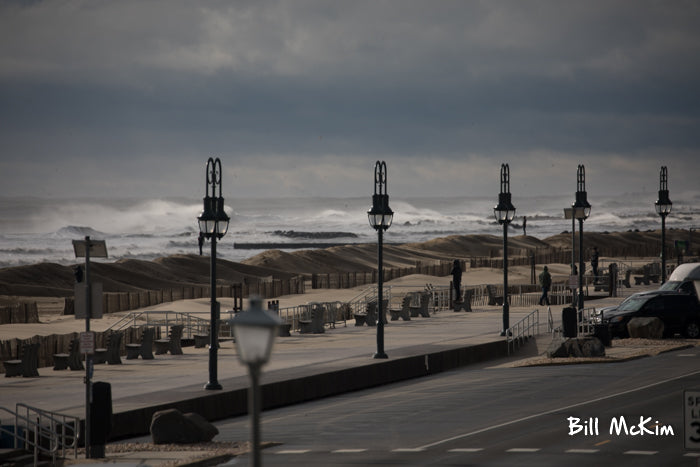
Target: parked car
(679, 312)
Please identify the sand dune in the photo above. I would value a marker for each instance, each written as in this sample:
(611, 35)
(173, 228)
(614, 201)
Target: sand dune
(53, 280)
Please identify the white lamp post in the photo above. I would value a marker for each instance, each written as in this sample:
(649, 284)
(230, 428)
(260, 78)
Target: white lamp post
(255, 331)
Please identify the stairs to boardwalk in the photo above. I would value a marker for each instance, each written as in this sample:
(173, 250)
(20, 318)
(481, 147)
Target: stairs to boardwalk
(21, 458)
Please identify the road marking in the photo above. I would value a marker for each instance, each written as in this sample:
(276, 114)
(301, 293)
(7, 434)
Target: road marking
(523, 450)
(692, 454)
(408, 450)
(582, 451)
(686, 355)
(553, 411)
(641, 453)
(348, 451)
(466, 450)
(293, 451)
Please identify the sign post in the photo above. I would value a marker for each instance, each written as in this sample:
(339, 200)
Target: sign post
(86, 248)
(691, 419)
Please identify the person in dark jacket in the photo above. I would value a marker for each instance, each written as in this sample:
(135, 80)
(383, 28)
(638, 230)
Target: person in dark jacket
(594, 261)
(545, 283)
(457, 279)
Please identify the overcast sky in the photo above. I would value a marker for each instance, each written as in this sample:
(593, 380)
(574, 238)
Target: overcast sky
(300, 98)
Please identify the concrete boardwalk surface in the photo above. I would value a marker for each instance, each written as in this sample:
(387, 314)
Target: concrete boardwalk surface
(141, 386)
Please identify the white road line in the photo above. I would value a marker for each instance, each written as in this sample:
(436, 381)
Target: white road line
(582, 451)
(523, 450)
(293, 451)
(692, 454)
(466, 450)
(641, 453)
(408, 450)
(686, 355)
(549, 412)
(348, 451)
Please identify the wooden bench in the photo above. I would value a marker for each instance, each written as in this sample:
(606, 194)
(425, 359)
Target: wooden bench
(110, 354)
(72, 359)
(173, 344)
(422, 308)
(314, 324)
(466, 303)
(145, 348)
(201, 340)
(404, 312)
(493, 298)
(28, 363)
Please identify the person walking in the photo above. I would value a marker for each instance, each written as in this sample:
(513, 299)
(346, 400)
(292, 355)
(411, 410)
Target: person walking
(545, 283)
(525, 225)
(457, 279)
(594, 261)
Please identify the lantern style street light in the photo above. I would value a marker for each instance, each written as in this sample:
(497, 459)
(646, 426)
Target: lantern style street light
(255, 331)
(504, 212)
(380, 217)
(213, 225)
(663, 207)
(581, 210)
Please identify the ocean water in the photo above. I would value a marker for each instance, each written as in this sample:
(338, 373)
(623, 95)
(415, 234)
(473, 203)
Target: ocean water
(34, 230)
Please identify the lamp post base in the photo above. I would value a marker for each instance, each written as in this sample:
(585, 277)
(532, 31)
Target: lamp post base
(380, 355)
(213, 386)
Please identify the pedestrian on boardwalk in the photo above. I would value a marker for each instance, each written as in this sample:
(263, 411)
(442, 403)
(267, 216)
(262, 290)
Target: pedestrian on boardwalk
(457, 279)
(524, 225)
(594, 261)
(545, 283)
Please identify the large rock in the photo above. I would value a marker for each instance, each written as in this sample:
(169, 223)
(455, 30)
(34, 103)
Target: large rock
(172, 426)
(647, 328)
(576, 347)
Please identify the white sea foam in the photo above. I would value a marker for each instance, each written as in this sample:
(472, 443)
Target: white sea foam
(36, 230)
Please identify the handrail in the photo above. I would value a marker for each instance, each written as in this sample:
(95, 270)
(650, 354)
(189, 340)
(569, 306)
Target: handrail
(39, 426)
(192, 324)
(522, 330)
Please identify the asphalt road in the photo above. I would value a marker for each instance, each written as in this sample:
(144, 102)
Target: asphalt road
(494, 416)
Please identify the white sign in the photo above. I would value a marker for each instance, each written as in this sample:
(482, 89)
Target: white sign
(691, 425)
(573, 281)
(87, 342)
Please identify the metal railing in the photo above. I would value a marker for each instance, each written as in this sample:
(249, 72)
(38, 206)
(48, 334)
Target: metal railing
(51, 433)
(162, 320)
(521, 331)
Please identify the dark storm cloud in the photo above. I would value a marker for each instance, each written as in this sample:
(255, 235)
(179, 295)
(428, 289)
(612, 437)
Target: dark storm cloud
(290, 85)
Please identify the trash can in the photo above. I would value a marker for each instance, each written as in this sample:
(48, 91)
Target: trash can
(100, 418)
(569, 321)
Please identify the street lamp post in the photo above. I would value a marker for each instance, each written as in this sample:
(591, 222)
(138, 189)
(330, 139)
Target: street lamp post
(254, 332)
(504, 213)
(380, 217)
(663, 207)
(213, 224)
(582, 209)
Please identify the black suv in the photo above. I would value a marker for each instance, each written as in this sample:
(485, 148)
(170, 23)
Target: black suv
(679, 312)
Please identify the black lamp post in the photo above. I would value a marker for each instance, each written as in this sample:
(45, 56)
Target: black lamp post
(663, 207)
(582, 209)
(504, 213)
(380, 217)
(213, 224)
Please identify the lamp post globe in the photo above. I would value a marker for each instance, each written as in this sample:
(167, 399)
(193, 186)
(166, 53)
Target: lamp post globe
(213, 224)
(255, 331)
(380, 217)
(663, 206)
(504, 212)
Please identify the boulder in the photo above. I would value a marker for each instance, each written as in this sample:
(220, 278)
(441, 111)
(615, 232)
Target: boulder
(647, 328)
(172, 426)
(576, 347)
